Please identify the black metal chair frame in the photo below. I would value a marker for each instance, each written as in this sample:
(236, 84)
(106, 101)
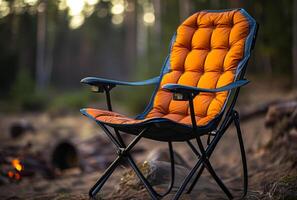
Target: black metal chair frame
(203, 152)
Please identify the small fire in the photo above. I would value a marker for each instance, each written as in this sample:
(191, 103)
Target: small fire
(10, 174)
(17, 164)
(17, 176)
(18, 167)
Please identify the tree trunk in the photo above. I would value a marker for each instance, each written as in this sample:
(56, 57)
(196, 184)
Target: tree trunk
(294, 50)
(185, 9)
(141, 38)
(41, 44)
(157, 26)
(130, 35)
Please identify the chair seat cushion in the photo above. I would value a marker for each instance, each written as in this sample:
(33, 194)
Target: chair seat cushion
(161, 128)
(108, 117)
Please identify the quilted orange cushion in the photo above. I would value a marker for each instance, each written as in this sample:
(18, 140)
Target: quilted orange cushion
(206, 53)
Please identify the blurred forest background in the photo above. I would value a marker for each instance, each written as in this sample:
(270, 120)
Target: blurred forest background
(47, 46)
(48, 150)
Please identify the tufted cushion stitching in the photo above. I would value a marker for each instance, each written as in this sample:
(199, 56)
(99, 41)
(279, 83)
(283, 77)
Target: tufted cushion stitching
(217, 70)
(207, 49)
(228, 49)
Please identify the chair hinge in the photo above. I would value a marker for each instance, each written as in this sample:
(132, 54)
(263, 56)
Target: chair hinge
(213, 133)
(179, 97)
(121, 151)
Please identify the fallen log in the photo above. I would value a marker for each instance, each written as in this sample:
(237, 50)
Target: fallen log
(21, 127)
(261, 109)
(279, 180)
(281, 110)
(156, 168)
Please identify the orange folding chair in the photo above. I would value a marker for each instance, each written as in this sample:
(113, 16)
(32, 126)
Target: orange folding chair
(194, 97)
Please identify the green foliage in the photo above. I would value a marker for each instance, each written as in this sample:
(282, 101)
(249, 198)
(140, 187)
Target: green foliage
(135, 99)
(72, 100)
(22, 95)
(98, 48)
(23, 86)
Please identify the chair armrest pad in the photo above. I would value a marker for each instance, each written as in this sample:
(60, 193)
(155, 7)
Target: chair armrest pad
(104, 82)
(184, 89)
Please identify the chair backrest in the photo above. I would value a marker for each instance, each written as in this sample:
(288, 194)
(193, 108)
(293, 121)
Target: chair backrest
(209, 50)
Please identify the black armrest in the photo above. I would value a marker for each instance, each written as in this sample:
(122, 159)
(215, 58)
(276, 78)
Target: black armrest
(101, 84)
(183, 92)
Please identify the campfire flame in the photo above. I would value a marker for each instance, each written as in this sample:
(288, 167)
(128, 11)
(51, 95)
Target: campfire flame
(18, 167)
(10, 174)
(16, 163)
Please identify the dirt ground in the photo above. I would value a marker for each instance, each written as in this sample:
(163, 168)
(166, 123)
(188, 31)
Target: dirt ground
(75, 183)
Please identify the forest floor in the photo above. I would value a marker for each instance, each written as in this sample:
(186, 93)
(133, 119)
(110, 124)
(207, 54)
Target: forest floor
(267, 172)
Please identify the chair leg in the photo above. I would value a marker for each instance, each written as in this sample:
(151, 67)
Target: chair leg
(147, 185)
(214, 175)
(191, 174)
(201, 164)
(234, 118)
(242, 152)
(196, 179)
(99, 184)
(217, 179)
(187, 180)
(206, 163)
(150, 189)
(154, 195)
(101, 181)
(123, 153)
(204, 160)
(172, 166)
